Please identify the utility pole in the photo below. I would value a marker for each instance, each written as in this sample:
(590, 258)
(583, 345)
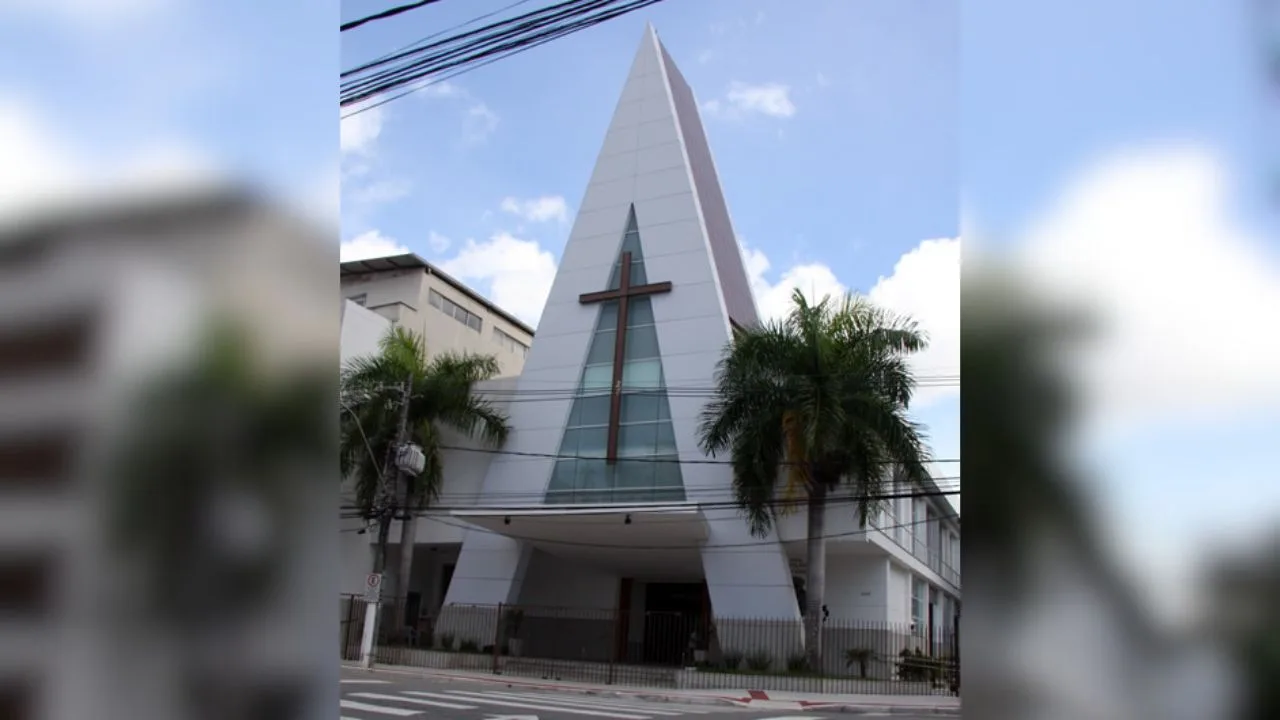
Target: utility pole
(384, 510)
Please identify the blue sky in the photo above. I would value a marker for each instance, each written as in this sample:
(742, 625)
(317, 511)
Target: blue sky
(834, 131)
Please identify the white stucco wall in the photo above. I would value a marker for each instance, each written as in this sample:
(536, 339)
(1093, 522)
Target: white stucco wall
(857, 588)
(359, 335)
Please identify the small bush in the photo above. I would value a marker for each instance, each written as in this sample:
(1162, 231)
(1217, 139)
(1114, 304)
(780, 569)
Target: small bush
(798, 663)
(857, 657)
(732, 660)
(759, 661)
(446, 642)
(469, 646)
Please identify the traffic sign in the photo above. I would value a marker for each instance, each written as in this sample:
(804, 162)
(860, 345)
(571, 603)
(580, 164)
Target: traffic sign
(373, 587)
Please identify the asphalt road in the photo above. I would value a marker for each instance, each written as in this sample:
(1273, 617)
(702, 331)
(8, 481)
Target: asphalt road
(385, 696)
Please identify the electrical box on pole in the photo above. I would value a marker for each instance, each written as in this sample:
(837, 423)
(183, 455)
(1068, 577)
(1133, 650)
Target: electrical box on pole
(410, 459)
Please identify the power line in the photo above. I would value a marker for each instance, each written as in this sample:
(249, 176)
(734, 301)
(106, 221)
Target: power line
(469, 56)
(392, 12)
(419, 43)
(727, 547)
(775, 503)
(646, 459)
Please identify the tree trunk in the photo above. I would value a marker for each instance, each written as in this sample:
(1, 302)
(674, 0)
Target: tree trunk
(816, 582)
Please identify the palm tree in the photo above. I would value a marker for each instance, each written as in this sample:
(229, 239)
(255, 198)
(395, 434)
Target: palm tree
(823, 393)
(442, 396)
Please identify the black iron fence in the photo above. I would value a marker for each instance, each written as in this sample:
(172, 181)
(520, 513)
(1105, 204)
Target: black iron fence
(662, 649)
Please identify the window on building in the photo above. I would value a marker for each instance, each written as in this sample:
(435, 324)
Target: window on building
(509, 343)
(919, 590)
(648, 469)
(360, 299)
(454, 310)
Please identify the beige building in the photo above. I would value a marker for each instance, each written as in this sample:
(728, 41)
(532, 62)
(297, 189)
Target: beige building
(415, 294)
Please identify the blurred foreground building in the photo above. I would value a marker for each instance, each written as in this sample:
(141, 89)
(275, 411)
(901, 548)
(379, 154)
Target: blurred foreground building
(601, 520)
(97, 303)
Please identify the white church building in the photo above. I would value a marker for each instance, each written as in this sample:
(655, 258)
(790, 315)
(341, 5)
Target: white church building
(601, 515)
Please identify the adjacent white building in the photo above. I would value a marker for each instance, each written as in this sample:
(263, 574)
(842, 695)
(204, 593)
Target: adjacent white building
(601, 501)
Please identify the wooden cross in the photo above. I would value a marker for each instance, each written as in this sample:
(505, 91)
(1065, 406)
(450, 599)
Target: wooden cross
(623, 295)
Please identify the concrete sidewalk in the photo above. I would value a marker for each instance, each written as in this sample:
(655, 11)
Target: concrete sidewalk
(754, 699)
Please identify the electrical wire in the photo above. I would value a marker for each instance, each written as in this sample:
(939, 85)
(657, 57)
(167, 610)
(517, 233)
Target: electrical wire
(391, 12)
(480, 52)
(355, 511)
(718, 548)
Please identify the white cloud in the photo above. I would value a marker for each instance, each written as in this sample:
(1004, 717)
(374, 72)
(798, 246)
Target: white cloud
(823, 80)
(479, 123)
(742, 99)
(437, 242)
(360, 129)
(1186, 295)
(519, 272)
(370, 244)
(925, 285)
(705, 56)
(540, 209)
(381, 192)
(43, 169)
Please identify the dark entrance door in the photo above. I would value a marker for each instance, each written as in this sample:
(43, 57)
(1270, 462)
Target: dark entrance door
(673, 613)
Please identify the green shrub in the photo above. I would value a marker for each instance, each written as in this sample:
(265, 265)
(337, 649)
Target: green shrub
(857, 657)
(469, 646)
(732, 660)
(759, 661)
(446, 642)
(798, 663)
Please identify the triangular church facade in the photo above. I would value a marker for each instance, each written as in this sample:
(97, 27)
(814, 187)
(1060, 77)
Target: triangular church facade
(602, 477)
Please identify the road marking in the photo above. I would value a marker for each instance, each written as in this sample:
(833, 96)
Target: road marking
(477, 697)
(416, 701)
(607, 705)
(794, 717)
(366, 707)
(365, 682)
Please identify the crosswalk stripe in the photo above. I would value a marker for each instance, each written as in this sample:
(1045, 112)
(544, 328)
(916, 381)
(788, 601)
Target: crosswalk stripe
(415, 701)
(475, 697)
(607, 705)
(364, 682)
(366, 707)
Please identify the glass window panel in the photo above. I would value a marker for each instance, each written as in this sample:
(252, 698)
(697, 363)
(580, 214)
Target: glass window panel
(597, 377)
(602, 346)
(640, 407)
(642, 374)
(638, 275)
(639, 312)
(632, 476)
(642, 343)
(666, 439)
(667, 494)
(608, 315)
(666, 473)
(473, 322)
(569, 443)
(593, 410)
(592, 442)
(637, 440)
(592, 475)
(434, 298)
(563, 477)
(664, 407)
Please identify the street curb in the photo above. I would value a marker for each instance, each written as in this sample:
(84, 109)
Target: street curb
(658, 697)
